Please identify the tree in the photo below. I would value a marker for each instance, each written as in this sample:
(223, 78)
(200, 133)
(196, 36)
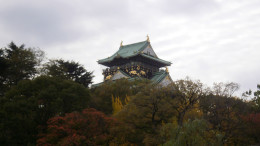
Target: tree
(102, 95)
(117, 104)
(26, 107)
(225, 89)
(225, 114)
(253, 118)
(3, 62)
(142, 117)
(187, 94)
(3, 66)
(18, 63)
(255, 100)
(193, 132)
(69, 70)
(154, 105)
(253, 129)
(90, 127)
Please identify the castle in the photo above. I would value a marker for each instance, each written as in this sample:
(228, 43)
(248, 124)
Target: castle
(137, 60)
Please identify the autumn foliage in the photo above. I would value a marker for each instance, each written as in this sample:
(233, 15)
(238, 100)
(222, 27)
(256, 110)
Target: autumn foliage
(56, 107)
(90, 127)
(117, 104)
(253, 123)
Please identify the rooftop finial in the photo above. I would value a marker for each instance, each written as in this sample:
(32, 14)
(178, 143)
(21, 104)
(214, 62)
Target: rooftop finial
(121, 44)
(166, 69)
(148, 40)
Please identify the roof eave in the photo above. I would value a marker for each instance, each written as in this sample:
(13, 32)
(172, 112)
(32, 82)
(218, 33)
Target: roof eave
(167, 63)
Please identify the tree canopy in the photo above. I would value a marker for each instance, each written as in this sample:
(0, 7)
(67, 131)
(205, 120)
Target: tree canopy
(52, 104)
(26, 108)
(89, 127)
(69, 70)
(18, 63)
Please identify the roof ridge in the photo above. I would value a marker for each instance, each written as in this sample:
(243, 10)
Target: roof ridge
(133, 44)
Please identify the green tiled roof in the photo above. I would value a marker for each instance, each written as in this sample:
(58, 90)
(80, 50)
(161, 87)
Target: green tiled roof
(156, 59)
(158, 76)
(132, 50)
(127, 51)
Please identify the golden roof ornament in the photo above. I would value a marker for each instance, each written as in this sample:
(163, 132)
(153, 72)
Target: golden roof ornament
(148, 40)
(108, 77)
(121, 44)
(167, 69)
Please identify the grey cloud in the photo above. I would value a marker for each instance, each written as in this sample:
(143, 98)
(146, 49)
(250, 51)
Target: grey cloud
(54, 22)
(211, 40)
(44, 25)
(188, 8)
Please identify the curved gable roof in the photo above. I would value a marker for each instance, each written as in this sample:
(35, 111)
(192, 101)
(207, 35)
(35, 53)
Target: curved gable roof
(132, 50)
(127, 51)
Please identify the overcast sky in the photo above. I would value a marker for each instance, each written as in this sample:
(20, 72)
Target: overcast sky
(209, 40)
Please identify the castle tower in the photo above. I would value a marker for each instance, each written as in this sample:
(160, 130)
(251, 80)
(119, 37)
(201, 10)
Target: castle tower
(136, 60)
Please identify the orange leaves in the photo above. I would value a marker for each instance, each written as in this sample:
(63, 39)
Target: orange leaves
(90, 127)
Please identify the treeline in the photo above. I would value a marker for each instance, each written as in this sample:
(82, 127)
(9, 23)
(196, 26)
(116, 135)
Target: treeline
(51, 104)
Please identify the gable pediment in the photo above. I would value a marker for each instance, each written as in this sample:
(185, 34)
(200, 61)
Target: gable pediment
(149, 51)
(118, 75)
(166, 81)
